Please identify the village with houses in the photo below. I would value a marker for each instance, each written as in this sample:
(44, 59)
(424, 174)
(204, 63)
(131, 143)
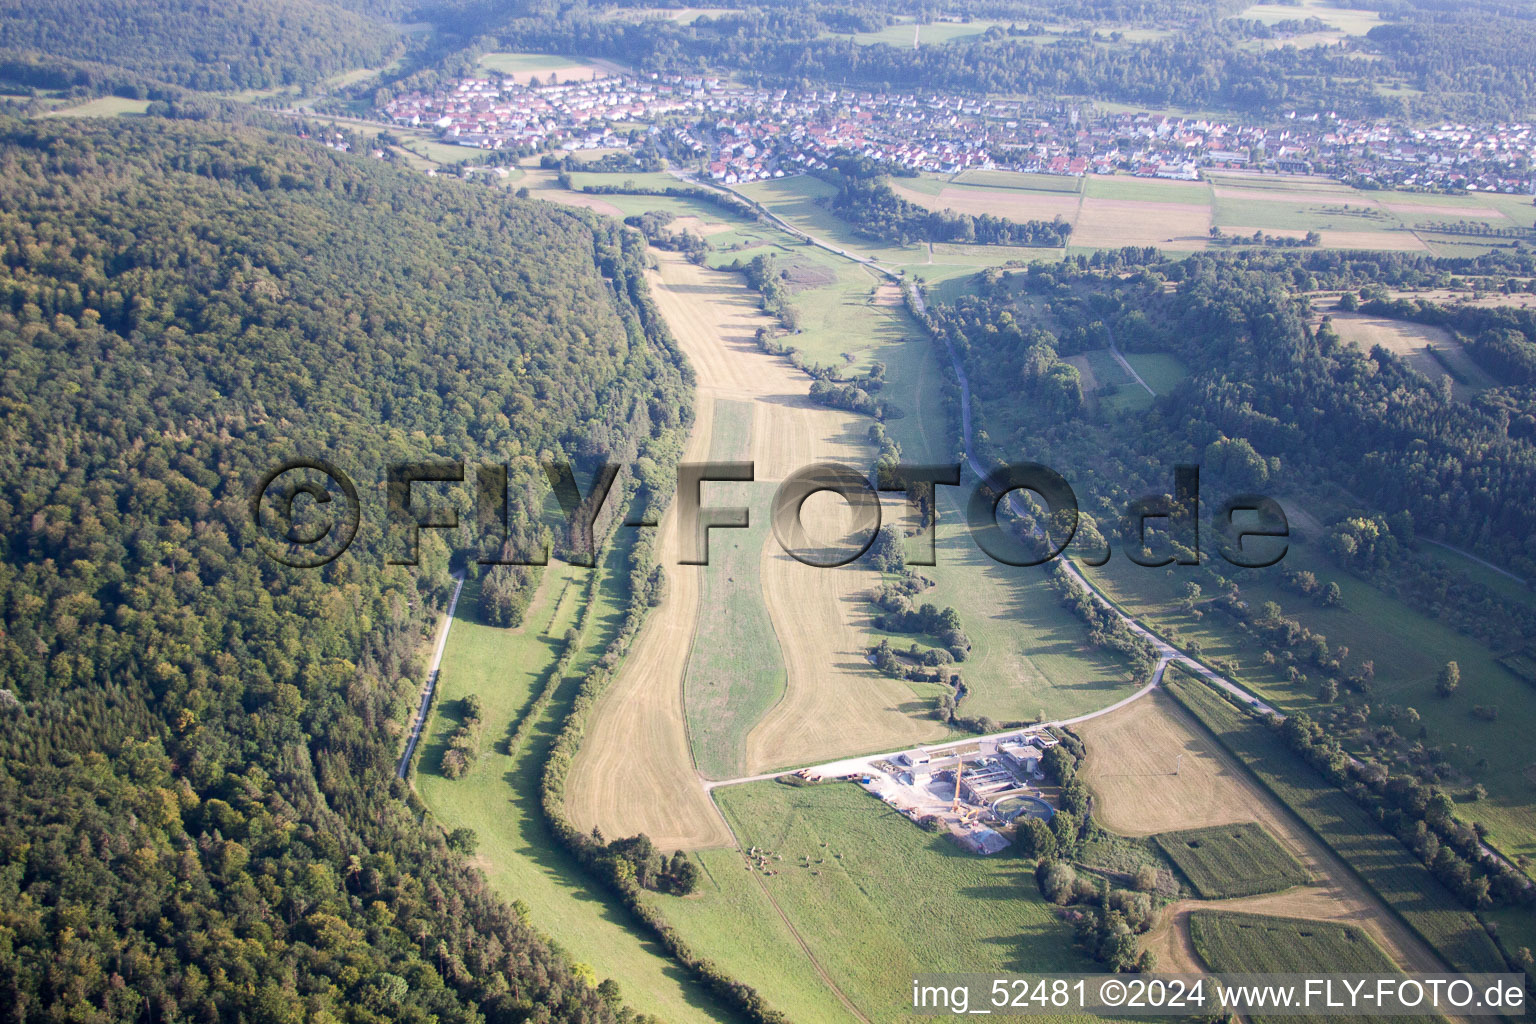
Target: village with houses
(735, 133)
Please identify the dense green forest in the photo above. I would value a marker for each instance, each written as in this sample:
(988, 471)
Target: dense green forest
(229, 46)
(199, 815)
(1444, 60)
(1277, 398)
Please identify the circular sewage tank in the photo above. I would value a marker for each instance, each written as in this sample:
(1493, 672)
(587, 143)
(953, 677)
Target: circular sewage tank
(1011, 808)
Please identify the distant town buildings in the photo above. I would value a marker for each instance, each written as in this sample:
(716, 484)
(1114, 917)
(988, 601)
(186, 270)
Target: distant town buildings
(736, 133)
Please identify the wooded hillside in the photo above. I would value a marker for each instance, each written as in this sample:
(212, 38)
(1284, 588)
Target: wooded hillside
(199, 816)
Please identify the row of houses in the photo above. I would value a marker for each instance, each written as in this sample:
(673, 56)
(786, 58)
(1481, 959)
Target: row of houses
(748, 133)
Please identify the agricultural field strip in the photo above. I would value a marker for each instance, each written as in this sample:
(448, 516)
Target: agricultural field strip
(939, 751)
(1378, 857)
(1261, 943)
(635, 771)
(1164, 772)
(1222, 861)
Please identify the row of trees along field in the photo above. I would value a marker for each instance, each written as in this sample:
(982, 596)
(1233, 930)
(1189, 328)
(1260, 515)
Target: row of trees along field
(1474, 59)
(199, 816)
(866, 200)
(628, 866)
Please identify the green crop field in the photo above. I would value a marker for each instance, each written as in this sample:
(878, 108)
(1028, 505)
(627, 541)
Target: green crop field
(499, 797)
(1019, 180)
(794, 198)
(1225, 861)
(1161, 371)
(581, 180)
(444, 152)
(1125, 395)
(841, 325)
(1346, 21)
(735, 672)
(874, 899)
(510, 63)
(1260, 943)
(1378, 858)
(930, 34)
(1150, 190)
(1325, 213)
(1029, 654)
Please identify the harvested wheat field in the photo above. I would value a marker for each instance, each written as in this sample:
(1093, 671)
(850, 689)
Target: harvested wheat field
(1337, 194)
(1014, 204)
(1452, 297)
(1375, 240)
(1132, 753)
(1413, 342)
(1110, 223)
(836, 704)
(541, 183)
(1448, 210)
(635, 770)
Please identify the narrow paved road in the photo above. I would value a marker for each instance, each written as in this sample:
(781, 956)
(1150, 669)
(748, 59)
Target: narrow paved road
(426, 693)
(1166, 652)
(1469, 556)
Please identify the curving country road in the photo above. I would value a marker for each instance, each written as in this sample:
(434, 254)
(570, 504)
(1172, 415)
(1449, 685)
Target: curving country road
(1166, 652)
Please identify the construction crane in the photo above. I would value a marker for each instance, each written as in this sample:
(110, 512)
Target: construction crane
(959, 769)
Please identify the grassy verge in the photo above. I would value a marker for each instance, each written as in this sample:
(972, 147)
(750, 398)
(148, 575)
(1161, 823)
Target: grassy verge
(735, 672)
(1382, 862)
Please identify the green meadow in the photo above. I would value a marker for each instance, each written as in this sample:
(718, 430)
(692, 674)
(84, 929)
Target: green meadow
(499, 797)
(735, 672)
(861, 894)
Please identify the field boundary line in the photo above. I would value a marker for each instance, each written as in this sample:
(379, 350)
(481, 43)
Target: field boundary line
(806, 949)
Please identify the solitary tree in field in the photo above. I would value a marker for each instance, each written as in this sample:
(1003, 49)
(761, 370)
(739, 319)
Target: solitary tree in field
(1450, 678)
